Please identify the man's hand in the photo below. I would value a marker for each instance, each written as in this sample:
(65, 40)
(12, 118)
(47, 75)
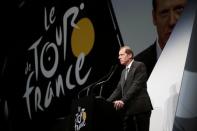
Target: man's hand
(118, 104)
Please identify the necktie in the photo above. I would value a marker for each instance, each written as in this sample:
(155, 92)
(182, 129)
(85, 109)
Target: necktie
(126, 73)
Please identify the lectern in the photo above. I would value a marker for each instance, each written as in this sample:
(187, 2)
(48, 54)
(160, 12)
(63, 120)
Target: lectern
(94, 114)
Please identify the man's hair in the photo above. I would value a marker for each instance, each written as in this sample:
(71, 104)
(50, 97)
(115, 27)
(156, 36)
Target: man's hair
(154, 4)
(128, 50)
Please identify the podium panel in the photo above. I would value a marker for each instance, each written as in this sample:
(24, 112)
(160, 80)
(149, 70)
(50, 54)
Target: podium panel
(94, 114)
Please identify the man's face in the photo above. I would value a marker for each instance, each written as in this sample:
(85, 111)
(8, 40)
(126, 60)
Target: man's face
(165, 17)
(124, 57)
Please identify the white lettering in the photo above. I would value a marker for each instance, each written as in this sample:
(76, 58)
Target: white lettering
(28, 92)
(49, 73)
(48, 96)
(79, 64)
(38, 99)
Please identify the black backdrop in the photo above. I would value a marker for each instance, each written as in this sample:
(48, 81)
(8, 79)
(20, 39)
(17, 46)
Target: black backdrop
(35, 72)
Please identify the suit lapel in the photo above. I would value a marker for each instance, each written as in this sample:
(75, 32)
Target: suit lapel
(131, 71)
(122, 78)
(129, 76)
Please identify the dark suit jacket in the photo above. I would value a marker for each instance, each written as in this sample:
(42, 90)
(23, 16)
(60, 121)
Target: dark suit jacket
(133, 91)
(148, 57)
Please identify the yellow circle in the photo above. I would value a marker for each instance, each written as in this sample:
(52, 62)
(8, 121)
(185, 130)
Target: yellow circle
(82, 39)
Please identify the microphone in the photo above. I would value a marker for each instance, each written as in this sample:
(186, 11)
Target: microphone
(100, 82)
(109, 75)
(105, 81)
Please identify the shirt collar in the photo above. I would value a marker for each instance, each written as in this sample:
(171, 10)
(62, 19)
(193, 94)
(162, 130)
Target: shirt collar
(129, 65)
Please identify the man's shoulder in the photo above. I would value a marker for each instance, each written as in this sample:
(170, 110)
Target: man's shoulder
(138, 63)
(148, 57)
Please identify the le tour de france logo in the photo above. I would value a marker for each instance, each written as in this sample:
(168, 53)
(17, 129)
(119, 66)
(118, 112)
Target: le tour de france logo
(41, 64)
(80, 118)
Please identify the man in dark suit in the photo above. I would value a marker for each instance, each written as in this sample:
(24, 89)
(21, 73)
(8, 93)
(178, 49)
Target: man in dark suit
(165, 15)
(131, 97)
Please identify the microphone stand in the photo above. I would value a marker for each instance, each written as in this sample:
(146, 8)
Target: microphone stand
(93, 85)
(105, 81)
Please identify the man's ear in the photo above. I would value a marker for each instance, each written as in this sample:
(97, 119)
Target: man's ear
(130, 56)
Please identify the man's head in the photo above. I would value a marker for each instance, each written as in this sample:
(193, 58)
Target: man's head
(125, 55)
(165, 15)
